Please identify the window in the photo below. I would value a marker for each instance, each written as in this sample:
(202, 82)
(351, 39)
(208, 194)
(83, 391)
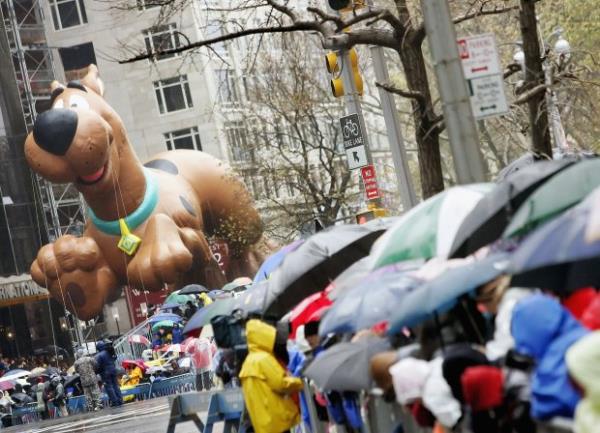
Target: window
(237, 139)
(162, 38)
(67, 13)
(214, 29)
(227, 86)
(188, 138)
(173, 94)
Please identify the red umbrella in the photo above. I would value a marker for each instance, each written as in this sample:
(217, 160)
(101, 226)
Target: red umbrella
(130, 363)
(310, 309)
(139, 339)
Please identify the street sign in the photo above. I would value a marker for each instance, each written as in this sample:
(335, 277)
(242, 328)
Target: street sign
(479, 55)
(483, 72)
(357, 157)
(354, 143)
(487, 96)
(370, 181)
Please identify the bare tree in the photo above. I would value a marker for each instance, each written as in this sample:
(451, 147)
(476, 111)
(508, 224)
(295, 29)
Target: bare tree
(395, 25)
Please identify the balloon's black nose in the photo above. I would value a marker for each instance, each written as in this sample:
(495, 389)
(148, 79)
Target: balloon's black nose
(54, 130)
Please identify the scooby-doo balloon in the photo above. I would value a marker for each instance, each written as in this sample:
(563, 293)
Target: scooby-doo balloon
(148, 225)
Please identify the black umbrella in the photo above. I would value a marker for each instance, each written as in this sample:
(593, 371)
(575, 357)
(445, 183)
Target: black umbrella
(21, 398)
(318, 261)
(193, 289)
(72, 381)
(346, 366)
(486, 222)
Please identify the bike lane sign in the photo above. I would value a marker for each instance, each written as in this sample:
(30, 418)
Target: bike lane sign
(354, 142)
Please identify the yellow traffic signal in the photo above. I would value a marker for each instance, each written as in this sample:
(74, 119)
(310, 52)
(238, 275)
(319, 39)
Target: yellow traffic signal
(371, 214)
(333, 63)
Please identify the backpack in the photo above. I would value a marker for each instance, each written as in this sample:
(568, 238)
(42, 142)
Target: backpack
(228, 332)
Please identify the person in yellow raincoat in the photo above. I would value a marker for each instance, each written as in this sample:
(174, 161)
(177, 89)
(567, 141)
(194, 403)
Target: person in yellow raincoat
(133, 377)
(583, 362)
(266, 384)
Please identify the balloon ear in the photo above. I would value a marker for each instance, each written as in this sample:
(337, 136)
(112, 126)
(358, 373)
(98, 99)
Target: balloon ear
(56, 85)
(92, 80)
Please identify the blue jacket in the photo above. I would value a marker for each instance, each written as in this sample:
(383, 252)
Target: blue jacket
(545, 330)
(177, 335)
(105, 362)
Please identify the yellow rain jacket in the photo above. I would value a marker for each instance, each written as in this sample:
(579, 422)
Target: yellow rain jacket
(265, 383)
(583, 361)
(133, 377)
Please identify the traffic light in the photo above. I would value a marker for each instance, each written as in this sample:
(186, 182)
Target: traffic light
(368, 215)
(334, 67)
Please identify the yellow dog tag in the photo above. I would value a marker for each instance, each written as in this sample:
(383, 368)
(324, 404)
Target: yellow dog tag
(129, 243)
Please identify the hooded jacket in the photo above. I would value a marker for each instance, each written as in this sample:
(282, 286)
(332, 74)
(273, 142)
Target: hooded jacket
(105, 362)
(545, 330)
(265, 383)
(583, 361)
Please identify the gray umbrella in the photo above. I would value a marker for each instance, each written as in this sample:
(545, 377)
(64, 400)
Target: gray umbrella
(346, 366)
(486, 222)
(318, 261)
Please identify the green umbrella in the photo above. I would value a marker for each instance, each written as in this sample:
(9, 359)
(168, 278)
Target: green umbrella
(163, 324)
(561, 192)
(203, 316)
(428, 230)
(176, 298)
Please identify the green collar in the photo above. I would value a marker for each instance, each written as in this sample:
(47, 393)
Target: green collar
(138, 216)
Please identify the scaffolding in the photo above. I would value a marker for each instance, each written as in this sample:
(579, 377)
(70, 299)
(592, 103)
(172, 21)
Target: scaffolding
(60, 205)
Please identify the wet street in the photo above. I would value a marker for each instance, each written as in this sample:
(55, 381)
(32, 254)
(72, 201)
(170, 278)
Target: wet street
(150, 416)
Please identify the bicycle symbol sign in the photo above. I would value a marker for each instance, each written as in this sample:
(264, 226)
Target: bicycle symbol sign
(351, 131)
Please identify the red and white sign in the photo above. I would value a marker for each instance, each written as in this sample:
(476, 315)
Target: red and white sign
(479, 55)
(138, 302)
(370, 181)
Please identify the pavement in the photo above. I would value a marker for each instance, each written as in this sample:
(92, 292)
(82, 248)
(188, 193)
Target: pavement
(149, 416)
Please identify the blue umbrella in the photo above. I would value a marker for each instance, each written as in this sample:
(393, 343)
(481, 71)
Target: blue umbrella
(371, 302)
(559, 256)
(440, 294)
(164, 316)
(274, 260)
(170, 306)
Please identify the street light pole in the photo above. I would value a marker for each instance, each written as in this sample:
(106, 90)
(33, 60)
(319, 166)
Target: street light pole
(394, 131)
(458, 114)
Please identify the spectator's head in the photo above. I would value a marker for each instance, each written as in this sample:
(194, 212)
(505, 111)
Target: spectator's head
(489, 295)
(311, 333)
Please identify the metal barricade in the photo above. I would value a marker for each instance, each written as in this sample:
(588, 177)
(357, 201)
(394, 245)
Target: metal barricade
(556, 425)
(173, 385)
(76, 404)
(140, 392)
(126, 350)
(26, 414)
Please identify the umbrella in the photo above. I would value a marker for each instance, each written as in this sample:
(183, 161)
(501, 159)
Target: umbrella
(486, 222)
(163, 324)
(371, 302)
(38, 371)
(164, 316)
(52, 371)
(132, 363)
(346, 366)
(170, 306)
(563, 254)
(274, 260)
(218, 294)
(7, 385)
(177, 298)
(318, 261)
(348, 279)
(428, 229)
(561, 192)
(16, 374)
(237, 285)
(71, 380)
(139, 339)
(513, 167)
(193, 289)
(203, 316)
(301, 314)
(440, 294)
(20, 397)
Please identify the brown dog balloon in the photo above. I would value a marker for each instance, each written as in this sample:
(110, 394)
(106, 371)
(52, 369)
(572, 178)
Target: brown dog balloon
(148, 225)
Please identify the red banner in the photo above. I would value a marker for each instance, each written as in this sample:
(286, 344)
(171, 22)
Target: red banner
(139, 301)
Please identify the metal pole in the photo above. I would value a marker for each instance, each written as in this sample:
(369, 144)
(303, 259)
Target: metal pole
(394, 131)
(458, 115)
(352, 102)
(10, 239)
